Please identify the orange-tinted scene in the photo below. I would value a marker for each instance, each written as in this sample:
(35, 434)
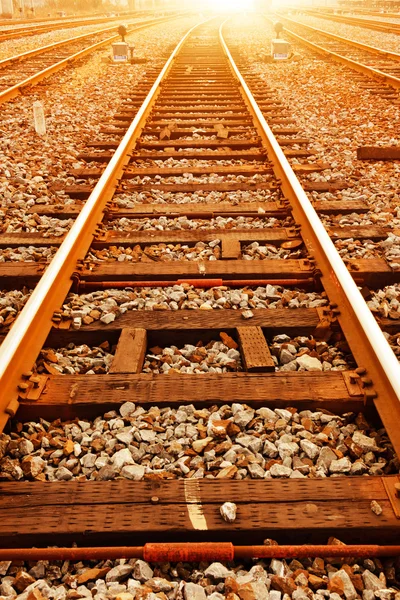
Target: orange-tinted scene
(199, 300)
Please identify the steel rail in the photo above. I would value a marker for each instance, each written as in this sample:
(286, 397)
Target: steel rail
(9, 34)
(31, 53)
(197, 552)
(16, 89)
(349, 41)
(22, 21)
(363, 334)
(362, 11)
(356, 66)
(366, 23)
(24, 341)
(41, 49)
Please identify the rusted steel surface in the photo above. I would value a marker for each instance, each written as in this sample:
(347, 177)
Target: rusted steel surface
(206, 551)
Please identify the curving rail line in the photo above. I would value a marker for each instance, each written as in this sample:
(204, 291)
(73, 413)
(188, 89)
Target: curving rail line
(19, 78)
(373, 62)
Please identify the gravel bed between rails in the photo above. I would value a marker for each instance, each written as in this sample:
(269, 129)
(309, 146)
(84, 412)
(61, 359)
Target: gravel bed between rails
(185, 224)
(388, 248)
(77, 102)
(217, 356)
(334, 112)
(129, 199)
(201, 251)
(232, 442)
(378, 39)
(213, 178)
(25, 43)
(308, 579)
(106, 306)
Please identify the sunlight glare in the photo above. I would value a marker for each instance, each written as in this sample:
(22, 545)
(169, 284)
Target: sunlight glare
(230, 5)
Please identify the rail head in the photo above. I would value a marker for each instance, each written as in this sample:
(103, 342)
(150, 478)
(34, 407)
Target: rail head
(15, 90)
(366, 70)
(362, 332)
(374, 49)
(28, 334)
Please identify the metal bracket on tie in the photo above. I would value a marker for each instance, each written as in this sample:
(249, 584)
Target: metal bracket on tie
(353, 383)
(32, 387)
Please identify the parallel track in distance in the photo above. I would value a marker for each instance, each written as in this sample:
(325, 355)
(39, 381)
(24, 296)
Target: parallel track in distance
(379, 64)
(32, 67)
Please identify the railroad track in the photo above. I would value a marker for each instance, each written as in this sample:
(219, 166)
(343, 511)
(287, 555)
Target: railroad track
(200, 109)
(359, 22)
(40, 20)
(381, 65)
(32, 67)
(362, 11)
(18, 32)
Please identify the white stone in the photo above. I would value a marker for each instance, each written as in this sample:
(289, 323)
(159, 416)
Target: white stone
(134, 472)
(371, 581)
(193, 591)
(228, 511)
(309, 363)
(280, 471)
(121, 458)
(217, 571)
(142, 571)
(127, 409)
(349, 589)
(340, 466)
(311, 450)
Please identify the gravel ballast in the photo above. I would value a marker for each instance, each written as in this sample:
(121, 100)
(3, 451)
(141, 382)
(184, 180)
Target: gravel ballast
(232, 441)
(312, 579)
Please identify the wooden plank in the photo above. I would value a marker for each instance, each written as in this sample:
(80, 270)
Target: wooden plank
(270, 235)
(326, 186)
(84, 191)
(126, 238)
(71, 396)
(246, 143)
(255, 352)
(217, 115)
(203, 210)
(256, 154)
(374, 272)
(368, 232)
(231, 248)
(378, 153)
(171, 327)
(310, 168)
(199, 210)
(121, 512)
(249, 170)
(130, 352)
(188, 188)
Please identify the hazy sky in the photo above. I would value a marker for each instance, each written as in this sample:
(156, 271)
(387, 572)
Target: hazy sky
(230, 4)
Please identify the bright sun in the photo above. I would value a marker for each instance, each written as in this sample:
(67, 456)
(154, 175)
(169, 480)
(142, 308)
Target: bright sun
(230, 5)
